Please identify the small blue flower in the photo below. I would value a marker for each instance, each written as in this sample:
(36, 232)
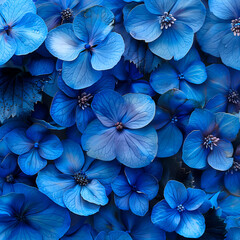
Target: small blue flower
(34, 146)
(120, 130)
(87, 47)
(114, 235)
(167, 25)
(78, 184)
(134, 189)
(21, 30)
(209, 142)
(180, 210)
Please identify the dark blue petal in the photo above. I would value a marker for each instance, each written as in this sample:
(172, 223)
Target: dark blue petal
(138, 203)
(120, 186)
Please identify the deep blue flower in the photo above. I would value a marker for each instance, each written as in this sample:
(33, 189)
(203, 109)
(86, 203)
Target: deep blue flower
(71, 106)
(223, 89)
(167, 25)
(77, 183)
(180, 210)
(209, 142)
(172, 114)
(133, 189)
(220, 33)
(34, 146)
(186, 74)
(28, 214)
(56, 12)
(21, 30)
(87, 47)
(120, 130)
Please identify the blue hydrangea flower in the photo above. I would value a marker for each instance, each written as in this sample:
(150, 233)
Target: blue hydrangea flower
(168, 26)
(21, 30)
(34, 146)
(179, 211)
(71, 106)
(56, 12)
(223, 89)
(77, 183)
(120, 130)
(114, 235)
(186, 74)
(133, 189)
(209, 142)
(28, 214)
(172, 114)
(220, 33)
(87, 47)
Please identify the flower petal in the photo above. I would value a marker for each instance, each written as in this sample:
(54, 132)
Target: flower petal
(120, 186)
(138, 203)
(196, 197)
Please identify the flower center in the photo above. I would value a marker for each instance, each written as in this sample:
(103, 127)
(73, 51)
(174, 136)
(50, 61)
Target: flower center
(233, 97)
(9, 179)
(119, 126)
(7, 29)
(180, 208)
(166, 20)
(84, 100)
(66, 14)
(20, 217)
(235, 168)
(174, 119)
(181, 76)
(81, 178)
(236, 27)
(210, 141)
(87, 46)
(36, 145)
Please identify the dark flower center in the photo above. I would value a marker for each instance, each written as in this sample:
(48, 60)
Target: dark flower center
(7, 29)
(81, 178)
(180, 208)
(119, 126)
(9, 179)
(233, 97)
(174, 119)
(210, 141)
(235, 168)
(66, 14)
(167, 20)
(20, 217)
(236, 27)
(181, 76)
(84, 100)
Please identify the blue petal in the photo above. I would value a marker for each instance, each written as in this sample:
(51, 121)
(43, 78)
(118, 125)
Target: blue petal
(109, 107)
(53, 183)
(29, 33)
(120, 186)
(192, 224)
(164, 78)
(84, 117)
(175, 193)
(113, 235)
(132, 175)
(41, 66)
(107, 54)
(138, 203)
(140, 110)
(196, 197)
(232, 181)
(162, 118)
(137, 148)
(194, 154)
(72, 159)
(220, 158)
(79, 73)
(25, 232)
(159, 7)
(36, 132)
(63, 44)
(76, 204)
(99, 144)
(142, 25)
(165, 217)
(94, 192)
(175, 42)
(85, 4)
(122, 202)
(171, 139)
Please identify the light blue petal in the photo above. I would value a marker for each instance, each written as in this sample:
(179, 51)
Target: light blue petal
(164, 217)
(137, 148)
(84, 117)
(72, 159)
(8, 47)
(99, 144)
(31, 162)
(194, 153)
(192, 224)
(159, 7)
(29, 33)
(138, 203)
(170, 140)
(120, 186)
(63, 44)
(107, 54)
(175, 42)
(122, 202)
(140, 110)
(79, 73)
(196, 197)
(175, 193)
(85, 4)
(142, 25)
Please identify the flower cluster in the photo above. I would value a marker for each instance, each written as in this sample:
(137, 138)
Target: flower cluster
(119, 119)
